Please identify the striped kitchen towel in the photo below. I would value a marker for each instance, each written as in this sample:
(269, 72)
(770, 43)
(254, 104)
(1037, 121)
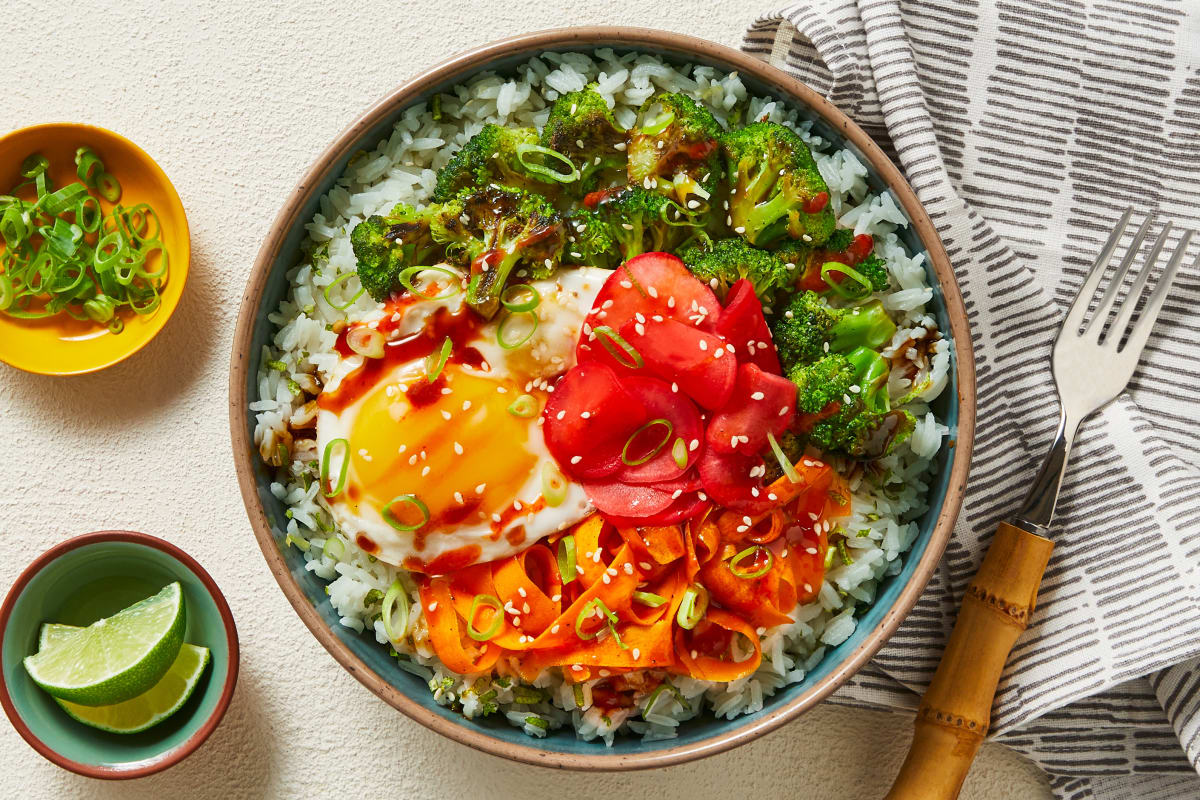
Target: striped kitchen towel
(1026, 127)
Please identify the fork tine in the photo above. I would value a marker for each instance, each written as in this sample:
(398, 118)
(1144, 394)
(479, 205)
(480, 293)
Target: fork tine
(1145, 322)
(1104, 307)
(1129, 304)
(1083, 297)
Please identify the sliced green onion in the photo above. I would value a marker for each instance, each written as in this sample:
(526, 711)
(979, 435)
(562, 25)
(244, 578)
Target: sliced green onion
(785, 464)
(409, 499)
(365, 341)
(504, 325)
(649, 599)
(526, 695)
(860, 285)
(537, 722)
(841, 548)
(395, 600)
(533, 301)
(100, 308)
(88, 166)
(683, 219)
(692, 607)
(108, 186)
(566, 559)
(406, 281)
(679, 452)
(334, 548)
(526, 153)
(633, 462)
(752, 554)
(324, 470)
(435, 363)
(6, 291)
(666, 686)
(34, 165)
(497, 618)
(296, 540)
(372, 597)
(594, 604)
(659, 123)
(613, 341)
(345, 276)
(524, 406)
(829, 551)
(554, 485)
(577, 690)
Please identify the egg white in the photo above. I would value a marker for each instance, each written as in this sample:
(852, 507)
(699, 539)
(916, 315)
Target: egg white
(565, 301)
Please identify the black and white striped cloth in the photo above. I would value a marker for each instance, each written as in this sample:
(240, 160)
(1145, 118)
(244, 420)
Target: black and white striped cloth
(1026, 127)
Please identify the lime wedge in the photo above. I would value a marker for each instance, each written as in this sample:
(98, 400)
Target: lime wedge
(113, 659)
(152, 707)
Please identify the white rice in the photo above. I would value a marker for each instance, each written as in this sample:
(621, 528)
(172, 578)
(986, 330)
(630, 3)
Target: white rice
(402, 168)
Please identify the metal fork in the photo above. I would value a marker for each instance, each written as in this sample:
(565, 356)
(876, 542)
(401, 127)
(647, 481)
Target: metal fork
(1095, 354)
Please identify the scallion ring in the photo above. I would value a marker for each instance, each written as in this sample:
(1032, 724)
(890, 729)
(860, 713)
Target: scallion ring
(660, 422)
(784, 463)
(505, 324)
(326, 456)
(395, 600)
(679, 453)
(861, 285)
(595, 604)
(345, 276)
(409, 499)
(658, 124)
(526, 153)
(524, 406)
(649, 599)
(566, 559)
(108, 186)
(34, 165)
(554, 485)
(692, 607)
(406, 280)
(334, 548)
(533, 301)
(88, 166)
(618, 348)
(365, 341)
(751, 553)
(435, 362)
(497, 617)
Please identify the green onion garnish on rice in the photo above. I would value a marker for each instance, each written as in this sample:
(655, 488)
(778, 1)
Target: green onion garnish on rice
(566, 559)
(527, 695)
(325, 460)
(577, 690)
(395, 601)
(489, 601)
(340, 279)
(751, 553)
(334, 548)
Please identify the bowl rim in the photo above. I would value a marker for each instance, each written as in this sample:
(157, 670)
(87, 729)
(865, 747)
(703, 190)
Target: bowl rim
(460, 67)
(167, 758)
(180, 265)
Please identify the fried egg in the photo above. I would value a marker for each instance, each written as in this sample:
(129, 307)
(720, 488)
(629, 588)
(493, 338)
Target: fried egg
(443, 474)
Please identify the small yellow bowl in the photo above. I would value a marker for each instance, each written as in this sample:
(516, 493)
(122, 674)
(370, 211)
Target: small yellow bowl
(61, 345)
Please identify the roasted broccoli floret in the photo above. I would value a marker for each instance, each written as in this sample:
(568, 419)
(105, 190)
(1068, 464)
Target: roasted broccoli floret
(842, 247)
(495, 229)
(675, 150)
(640, 221)
(875, 270)
(776, 192)
(590, 241)
(842, 405)
(808, 324)
(504, 156)
(729, 260)
(386, 245)
(582, 127)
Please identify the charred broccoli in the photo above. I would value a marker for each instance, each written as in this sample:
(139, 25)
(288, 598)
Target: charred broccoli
(495, 229)
(727, 261)
(776, 192)
(506, 157)
(808, 324)
(386, 245)
(640, 221)
(582, 127)
(590, 241)
(675, 150)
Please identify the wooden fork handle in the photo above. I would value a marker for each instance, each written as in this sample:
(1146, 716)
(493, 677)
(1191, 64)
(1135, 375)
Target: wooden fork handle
(954, 714)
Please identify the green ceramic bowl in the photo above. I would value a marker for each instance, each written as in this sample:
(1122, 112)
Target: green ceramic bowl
(94, 576)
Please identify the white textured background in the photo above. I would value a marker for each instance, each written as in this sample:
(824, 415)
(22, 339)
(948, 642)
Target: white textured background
(234, 101)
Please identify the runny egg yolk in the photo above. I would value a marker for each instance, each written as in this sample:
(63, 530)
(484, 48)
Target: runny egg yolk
(463, 467)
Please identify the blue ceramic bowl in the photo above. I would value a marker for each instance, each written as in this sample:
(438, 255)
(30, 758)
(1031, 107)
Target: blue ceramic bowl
(94, 576)
(371, 663)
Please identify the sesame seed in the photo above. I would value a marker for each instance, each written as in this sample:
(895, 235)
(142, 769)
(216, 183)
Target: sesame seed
(606, 578)
(585, 415)
(855, 389)
(644, 565)
(516, 622)
(466, 406)
(740, 229)
(693, 444)
(720, 352)
(807, 587)
(525, 607)
(458, 498)
(578, 569)
(424, 471)
(772, 496)
(412, 460)
(517, 505)
(783, 411)
(695, 654)
(743, 528)
(479, 489)
(458, 448)
(555, 627)
(556, 598)
(671, 302)
(619, 146)
(596, 555)
(703, 344)
(806, 237)
(628, 568)
(576, 459)
(496, 517)
(626, 226)
(560, 415)
(757, 396)
(445, 414)
(702, 496)
(433, 607)
(675, 495)
(812, 551)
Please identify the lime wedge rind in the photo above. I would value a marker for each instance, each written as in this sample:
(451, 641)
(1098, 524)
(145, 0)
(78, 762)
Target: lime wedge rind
(114, 659)
(153, 706)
